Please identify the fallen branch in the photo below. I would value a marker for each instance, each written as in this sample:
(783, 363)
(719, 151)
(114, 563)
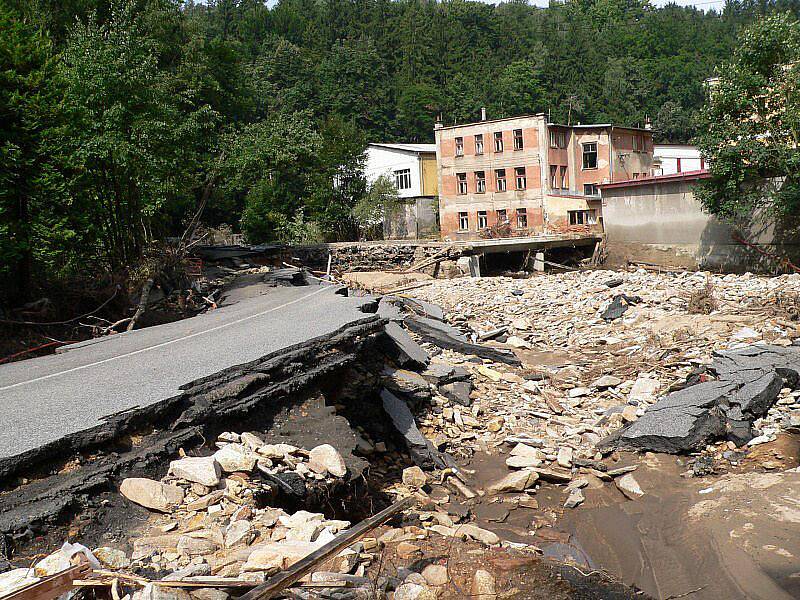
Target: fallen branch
(148, 285)
(304, 566)
(412, 286)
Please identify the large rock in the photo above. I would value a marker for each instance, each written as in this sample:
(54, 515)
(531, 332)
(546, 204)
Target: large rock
(513, 482)
(151, 494)
(325, 459)
(483, 586)
(201, 469)
(235, 457)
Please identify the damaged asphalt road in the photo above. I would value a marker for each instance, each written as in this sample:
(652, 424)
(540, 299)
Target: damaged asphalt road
(62, 402)
(749, 381)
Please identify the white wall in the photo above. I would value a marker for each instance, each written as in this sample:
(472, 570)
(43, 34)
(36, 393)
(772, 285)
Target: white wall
(669, 154)
(385, 161)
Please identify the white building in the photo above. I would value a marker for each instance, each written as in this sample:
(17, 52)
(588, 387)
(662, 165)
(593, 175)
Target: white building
(412, 168)
(669, 159)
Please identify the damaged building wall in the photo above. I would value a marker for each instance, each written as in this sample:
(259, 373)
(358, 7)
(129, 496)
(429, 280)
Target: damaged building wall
(658, 220)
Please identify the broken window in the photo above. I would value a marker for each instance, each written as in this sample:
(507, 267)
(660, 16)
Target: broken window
(479, 144)
(582, 217)
(591, 189)
(553, 177)
(463, 221)
(519, 172)
(564, 181)
(502, 215)
(483, 221)
(522, 218)
(459, 146)
(498, 141)
(500, 180)
(462, 183)
(590, 155)
(518, 143)
(480, 182)
(402, 179)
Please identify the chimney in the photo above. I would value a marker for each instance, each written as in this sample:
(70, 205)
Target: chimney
(483, 113)
(438, 123)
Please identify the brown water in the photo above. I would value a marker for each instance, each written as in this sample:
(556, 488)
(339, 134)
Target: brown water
(719, 537)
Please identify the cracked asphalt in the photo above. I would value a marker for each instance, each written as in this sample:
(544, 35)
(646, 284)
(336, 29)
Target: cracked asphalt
(45, 399)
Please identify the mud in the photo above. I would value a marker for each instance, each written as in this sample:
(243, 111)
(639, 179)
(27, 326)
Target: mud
(733, 536)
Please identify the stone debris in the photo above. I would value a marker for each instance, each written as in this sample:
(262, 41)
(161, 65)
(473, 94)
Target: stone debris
(326, 460)
(152, 494)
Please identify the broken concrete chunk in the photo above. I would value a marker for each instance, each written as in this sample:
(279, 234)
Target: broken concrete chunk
(407, 352)
(235, 457)
(325, 459)
(151, 494)
(421, 449)
(202, 469)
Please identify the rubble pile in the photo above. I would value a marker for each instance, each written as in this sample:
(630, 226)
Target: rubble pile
(584, 376)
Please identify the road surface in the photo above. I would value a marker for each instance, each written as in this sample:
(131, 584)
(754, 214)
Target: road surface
(45, 399)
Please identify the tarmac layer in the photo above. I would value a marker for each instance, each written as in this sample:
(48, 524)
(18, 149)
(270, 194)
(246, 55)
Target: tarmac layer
(63, 401)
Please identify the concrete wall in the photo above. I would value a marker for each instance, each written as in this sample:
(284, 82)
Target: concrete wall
(664, 224)
(414, 219)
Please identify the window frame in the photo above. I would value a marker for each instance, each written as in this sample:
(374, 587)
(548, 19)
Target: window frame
(402, 175)
(520, 174)
(586, 153)
(461, 178)
(587, 216)
(553, 177)
(518, 140)
(500, 183)
(502, 215)
(483, 216)
(498, 141)
(563, 172)
(522, 218)
(478, 144)
(463, 218)
(591, 186)
(480, 182)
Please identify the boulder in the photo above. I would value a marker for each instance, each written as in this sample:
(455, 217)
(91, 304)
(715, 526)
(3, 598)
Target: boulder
(484, 586)
(436, 575)
(513, 482)
(201, 469)
(325, 459)
(414, 477)
(235, 457)
(151, 494)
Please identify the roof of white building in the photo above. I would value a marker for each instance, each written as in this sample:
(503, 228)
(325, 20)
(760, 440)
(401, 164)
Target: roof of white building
(407, 147)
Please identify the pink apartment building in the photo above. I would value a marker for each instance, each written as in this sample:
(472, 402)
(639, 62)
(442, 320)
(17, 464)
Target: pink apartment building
(537, 176)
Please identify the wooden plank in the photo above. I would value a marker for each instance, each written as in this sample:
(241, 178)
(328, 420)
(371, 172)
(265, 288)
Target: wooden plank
(304, 566)
(53, 586)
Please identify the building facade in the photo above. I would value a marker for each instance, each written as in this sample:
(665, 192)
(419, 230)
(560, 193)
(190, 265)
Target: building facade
(413, 169)
(669, 159)
(524, 175)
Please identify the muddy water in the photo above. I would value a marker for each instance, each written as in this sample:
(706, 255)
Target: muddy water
(735, 536)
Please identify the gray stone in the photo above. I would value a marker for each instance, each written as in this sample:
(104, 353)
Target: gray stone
(151, 494)
(406, 382)
(458, 391)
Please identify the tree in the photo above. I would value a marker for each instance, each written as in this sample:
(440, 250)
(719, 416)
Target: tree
(520, 90)
(417, 108)
(126, 143)
(751, 125)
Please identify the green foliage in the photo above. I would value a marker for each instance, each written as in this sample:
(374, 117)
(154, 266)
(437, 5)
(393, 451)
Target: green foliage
(751, 125)
(381, 199)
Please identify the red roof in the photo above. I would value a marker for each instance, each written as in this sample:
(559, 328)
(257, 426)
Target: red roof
(685, 176)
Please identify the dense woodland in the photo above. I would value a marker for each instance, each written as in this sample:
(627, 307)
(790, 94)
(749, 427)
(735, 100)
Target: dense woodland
(125, 123)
